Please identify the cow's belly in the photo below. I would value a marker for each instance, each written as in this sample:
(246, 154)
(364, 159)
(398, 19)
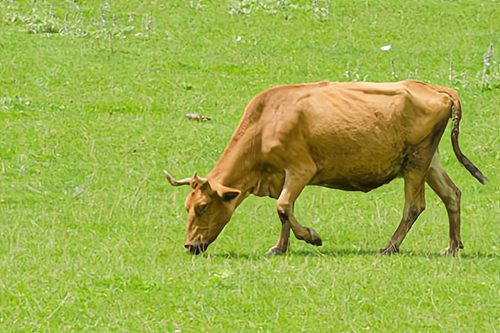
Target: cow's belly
(350, 184)
(358, 171)
(358, 158)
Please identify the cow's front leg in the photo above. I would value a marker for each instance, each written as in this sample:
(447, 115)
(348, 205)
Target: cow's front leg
(293, 186)
(309, 235)
(282, 246)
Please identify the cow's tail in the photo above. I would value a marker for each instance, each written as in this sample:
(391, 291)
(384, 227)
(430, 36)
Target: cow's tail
(456, 116)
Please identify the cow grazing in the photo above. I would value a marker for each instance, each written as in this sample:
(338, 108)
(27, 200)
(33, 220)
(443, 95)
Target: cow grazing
(352, 136)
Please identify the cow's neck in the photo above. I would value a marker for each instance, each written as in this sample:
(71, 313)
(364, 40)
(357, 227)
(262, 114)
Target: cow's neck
(234, 169)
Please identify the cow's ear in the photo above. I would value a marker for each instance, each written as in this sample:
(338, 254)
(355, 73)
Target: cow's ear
(227, 193)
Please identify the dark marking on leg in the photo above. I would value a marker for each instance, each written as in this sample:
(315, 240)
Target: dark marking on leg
(283, 217)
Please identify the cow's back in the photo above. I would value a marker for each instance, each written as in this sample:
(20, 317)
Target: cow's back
(358, 134)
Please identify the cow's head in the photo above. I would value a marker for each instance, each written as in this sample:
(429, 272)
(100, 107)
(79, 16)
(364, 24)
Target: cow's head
(209, 206)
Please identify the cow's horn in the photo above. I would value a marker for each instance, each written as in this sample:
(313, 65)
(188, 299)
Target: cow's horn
(173, 182)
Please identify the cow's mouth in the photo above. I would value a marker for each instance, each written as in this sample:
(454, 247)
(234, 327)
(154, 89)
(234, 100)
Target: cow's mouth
(196, 248)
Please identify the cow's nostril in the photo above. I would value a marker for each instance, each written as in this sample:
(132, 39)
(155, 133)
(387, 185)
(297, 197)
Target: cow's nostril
(187, 246)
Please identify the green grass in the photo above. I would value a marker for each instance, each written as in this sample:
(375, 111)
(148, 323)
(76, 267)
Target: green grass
(91, 112)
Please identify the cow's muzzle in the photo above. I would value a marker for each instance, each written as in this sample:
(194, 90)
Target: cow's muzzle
(196, 248)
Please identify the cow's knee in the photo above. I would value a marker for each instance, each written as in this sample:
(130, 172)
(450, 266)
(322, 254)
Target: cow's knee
(283, 209)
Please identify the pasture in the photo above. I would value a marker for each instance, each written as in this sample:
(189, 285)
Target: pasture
(92, 102)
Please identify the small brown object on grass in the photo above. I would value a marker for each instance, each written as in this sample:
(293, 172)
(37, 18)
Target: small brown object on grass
(197, 117)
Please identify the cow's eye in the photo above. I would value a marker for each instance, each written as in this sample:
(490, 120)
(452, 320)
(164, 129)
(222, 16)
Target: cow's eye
(200, 209)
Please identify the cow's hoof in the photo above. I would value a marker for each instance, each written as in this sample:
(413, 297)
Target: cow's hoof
(314, 237)
(449, 252)
(275, 251)
(391, 249)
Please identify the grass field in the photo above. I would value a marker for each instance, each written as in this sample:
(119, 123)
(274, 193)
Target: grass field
(92, 102)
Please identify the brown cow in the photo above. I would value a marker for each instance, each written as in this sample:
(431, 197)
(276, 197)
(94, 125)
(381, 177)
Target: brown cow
(353, 136)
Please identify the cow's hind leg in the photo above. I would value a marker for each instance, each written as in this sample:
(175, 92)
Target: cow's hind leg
(295, 181)
(449, 193)
(414, 206)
